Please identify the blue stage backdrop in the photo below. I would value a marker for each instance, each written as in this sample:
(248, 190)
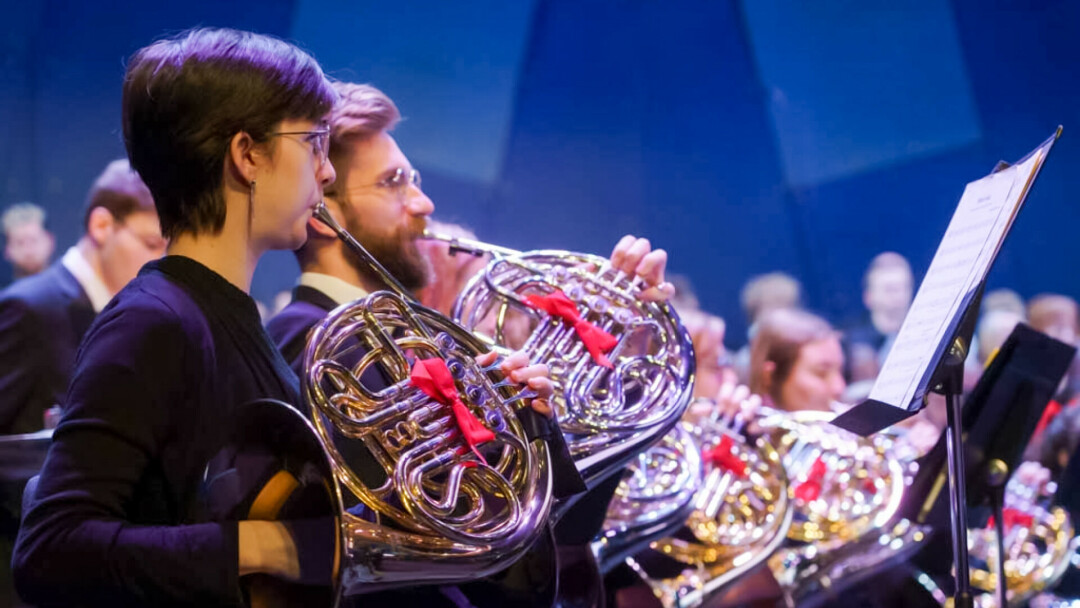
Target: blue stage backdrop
(743, 137)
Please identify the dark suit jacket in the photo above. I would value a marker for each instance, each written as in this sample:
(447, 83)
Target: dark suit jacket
(42, 320)
(289, 328)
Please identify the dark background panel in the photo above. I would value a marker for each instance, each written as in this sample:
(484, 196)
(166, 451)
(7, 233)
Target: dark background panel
(743, 137)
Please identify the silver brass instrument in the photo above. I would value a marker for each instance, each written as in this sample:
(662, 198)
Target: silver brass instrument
(844, 485)
(656, 495)
(445, 512)
(739, 515)
(607, 415)
(846, 491)
(1040, 545)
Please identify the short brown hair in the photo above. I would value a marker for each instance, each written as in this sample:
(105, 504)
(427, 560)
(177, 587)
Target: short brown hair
(780, 335)
(120, 190)
(186, 97)
(361, 111)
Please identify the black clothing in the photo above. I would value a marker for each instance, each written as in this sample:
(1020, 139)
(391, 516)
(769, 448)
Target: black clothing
(289, 328)
(42, 320)
(112, 521)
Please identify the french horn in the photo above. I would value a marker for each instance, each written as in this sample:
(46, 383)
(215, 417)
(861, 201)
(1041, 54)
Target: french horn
(1040, 545)
(608, 413)
(846, 491)
(738, 516)
(445, 508)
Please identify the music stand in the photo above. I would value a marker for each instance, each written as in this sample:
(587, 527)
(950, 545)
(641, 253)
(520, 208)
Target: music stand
(933, 341)
(999, 417)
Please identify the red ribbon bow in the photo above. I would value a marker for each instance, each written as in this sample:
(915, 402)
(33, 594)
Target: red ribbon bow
(1013, 517)
(433, 378)
(721, 456)
(811, 488)
(596, 340)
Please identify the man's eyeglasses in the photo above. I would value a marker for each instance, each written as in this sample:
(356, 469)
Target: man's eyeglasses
(319, 140)
(398, 182)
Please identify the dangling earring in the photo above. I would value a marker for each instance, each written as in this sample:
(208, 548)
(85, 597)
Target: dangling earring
(251, 204)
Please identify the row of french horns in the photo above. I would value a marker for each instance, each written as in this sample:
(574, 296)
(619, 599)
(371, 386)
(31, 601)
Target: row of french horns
(447, 508)
(443, 508)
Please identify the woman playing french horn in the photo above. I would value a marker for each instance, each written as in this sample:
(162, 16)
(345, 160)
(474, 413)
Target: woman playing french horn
(228, 130)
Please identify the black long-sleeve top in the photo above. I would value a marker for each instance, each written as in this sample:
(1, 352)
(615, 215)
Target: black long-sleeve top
(113, 519)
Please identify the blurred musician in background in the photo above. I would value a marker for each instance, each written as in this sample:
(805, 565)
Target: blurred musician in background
(450, 271)
(378, 199)
(28, 245)
(760, 295)
(888, 288)
(43, 318)
(796, 361)
(226, 129)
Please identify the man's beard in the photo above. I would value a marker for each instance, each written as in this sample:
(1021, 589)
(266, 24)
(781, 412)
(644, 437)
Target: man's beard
(397, 253)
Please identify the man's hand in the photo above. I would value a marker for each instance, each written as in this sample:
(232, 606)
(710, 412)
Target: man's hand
(636, 257)
(516, 367)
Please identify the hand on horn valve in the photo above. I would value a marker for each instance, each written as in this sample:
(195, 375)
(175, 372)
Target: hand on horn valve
(517, 369)
(733, 403)
(636, 257)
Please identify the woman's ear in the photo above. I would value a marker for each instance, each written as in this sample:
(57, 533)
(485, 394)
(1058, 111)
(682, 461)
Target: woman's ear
(244, 157)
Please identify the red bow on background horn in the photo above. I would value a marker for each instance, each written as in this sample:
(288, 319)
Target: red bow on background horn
(721, 456)
(596, 340)
(432, 377)
(1013, 517)
(811, 488)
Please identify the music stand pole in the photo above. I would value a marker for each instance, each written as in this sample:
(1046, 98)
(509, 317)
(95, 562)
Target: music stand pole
(997, 475)
(952, 387)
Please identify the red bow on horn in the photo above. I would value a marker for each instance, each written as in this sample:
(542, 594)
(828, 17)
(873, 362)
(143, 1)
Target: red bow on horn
(1013, 517)
(596, 340)
(811, 488)
(433, 378)
(721, 456)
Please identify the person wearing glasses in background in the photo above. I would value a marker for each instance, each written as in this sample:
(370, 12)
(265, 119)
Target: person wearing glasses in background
(379, 200)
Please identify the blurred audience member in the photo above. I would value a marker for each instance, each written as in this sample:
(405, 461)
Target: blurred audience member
(713, 361)
(887, 292)
(685, 298)
(993, 329)
(761, 294)
(27, 244)
(43, 317)
(449, 271)
(1002, 298)
(796, 361)
(1057, 316)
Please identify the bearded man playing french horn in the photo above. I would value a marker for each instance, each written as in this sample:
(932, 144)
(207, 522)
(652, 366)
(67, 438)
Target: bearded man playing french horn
(378, 199)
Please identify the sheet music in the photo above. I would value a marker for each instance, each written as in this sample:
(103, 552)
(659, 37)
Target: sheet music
(972, 240)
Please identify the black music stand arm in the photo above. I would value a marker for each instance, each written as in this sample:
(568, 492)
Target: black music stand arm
(952, 376)
(948, 380)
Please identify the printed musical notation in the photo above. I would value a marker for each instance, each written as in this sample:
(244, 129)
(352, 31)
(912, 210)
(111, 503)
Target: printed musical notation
(972, 240)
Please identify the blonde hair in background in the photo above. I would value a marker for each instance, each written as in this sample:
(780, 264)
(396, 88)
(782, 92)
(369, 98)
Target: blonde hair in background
(21, 214)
